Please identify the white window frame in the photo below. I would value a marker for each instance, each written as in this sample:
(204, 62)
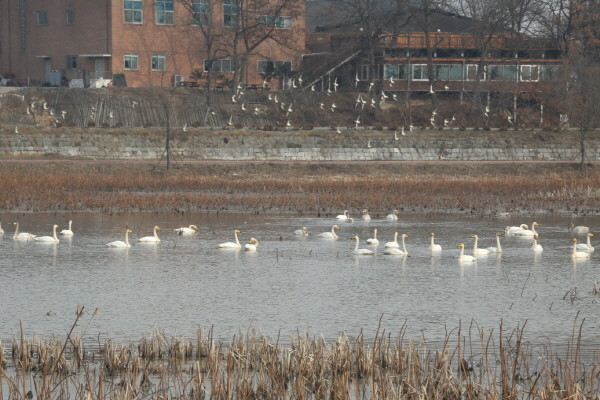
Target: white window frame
(469, 74)
(219, 65)
(133, 59)
(168, 16)
(279, 22)
(531, 68)
(158, 59)
(41, 17)
(134, 12)
(230, 8)
(423, 74)
(200, 12)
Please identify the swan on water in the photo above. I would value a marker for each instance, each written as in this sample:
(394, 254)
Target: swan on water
(536, 247)
(186, 230)
(301, 232)
(586, 246)
(373, 241)
(512, 230)
(397, 252)
(67, 232)
(1, 230)
(394, 243)
(528, 232)
(393, 216)
(366, 216)
(49, 239)
(477, 251)
(433, 246)
(360, 252)
(232, 245)
(251, 245)
(120, 243)
(581, 229)
(578, 254)
(498, 248)
(22, 235)
(154, 238)
(330, 235)
(464, 257)
(343, 217)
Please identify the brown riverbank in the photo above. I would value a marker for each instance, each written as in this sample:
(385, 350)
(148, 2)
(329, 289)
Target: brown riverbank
(313, 188)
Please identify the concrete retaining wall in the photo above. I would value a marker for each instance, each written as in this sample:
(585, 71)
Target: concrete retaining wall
(313, 145)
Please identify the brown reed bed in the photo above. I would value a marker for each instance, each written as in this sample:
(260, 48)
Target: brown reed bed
(471, 363)
(323, 188)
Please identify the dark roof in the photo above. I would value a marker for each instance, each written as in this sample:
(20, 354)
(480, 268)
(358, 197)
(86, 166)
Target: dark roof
(325, 16)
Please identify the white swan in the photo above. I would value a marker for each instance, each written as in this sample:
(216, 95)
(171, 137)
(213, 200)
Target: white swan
(498, 248)
(251, 245)
(393, 216)
(464, 257)
(393, 244)
(536, 247)
(330, 235)
(153, 239)
(578, 254)
(343, 217)
(374, 241)
(186, 230)
(232, 245)
(301, 232)
(67, 232)
(119, 243)
(398, 252)
(366, 216)
(581, 229)
(434, 247)
(1, 230)
(22, 235)
(586, 246)
(477, 251)
(52, 239)
(512, 230)
(360, 252)
(528, 232)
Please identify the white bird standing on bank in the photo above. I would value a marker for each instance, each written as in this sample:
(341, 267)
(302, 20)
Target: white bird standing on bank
(48, 239)
(152, 239)
(119, 243)
(373, 241)
(68, 231)
(360, 252)
(186, 230)
(232, 245)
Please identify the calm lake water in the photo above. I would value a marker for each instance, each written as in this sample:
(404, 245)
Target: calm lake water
(291, 283)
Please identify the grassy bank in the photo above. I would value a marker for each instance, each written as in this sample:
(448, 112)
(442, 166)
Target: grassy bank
(314, 188)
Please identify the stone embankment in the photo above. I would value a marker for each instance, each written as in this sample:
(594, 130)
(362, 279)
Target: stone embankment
(300, 145)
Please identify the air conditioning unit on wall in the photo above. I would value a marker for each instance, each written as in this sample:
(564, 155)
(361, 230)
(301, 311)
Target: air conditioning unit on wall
(177, 79)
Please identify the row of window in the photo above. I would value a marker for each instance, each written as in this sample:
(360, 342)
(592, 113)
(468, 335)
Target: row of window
(165, 13)
(459, 72)
(158, 63)
(41, 17)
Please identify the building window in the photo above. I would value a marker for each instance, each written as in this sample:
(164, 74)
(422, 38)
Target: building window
(133, 11)
(502, 72)
(530, 73)
(201, 12)
(550, 72)
(277, 22)
(230, 11)
(362, 72)
(130, 61)
(448, 72)
(471, 72)
(218, 65)
(394, 71)
(42, 17)
(419, 72)
(69, 17)
(164, 12)
(158, 62)
(274, 67)
(71, 62)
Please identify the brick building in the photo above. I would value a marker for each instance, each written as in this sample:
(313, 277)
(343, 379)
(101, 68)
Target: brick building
(150, 42)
